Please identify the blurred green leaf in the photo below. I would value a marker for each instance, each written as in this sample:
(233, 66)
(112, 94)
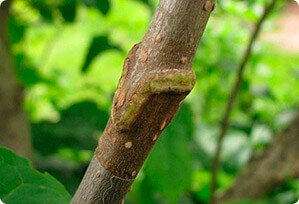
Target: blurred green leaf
(169, 166)
(98, 45)
(142, 192)
(79, 128)
(20, 183)
(201, 185)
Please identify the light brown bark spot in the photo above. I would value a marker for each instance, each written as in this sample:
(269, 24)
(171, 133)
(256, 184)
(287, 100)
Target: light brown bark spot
(128, 145)
(109, 130)
(127, 64)
(155, 137)
(163, 125)
(114, 140)
(98, 174)
(159, 38)
(144, 57)
(121, 99)
(184, 60)
(209, 6)
(134, 173)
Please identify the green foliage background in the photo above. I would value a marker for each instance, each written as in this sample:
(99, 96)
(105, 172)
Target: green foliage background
(69, 57)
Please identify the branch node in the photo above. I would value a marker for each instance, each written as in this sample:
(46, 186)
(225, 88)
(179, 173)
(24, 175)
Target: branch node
(175, 81)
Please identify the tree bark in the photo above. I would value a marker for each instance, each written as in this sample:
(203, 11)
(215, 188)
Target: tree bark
(271, 168)
(233, 96)
(14, 128)
(156, 77)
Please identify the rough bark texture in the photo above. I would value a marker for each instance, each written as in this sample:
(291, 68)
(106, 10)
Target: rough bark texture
(106, 184)
(14, 128)
(233, 97)
(156, 77)
(271, 168)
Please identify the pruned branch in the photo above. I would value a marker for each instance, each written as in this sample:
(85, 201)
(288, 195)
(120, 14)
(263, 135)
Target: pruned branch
(233, 96)
(156, 77)
(271, 168)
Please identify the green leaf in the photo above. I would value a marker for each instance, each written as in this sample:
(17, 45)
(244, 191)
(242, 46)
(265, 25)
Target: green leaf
(169, 166)
(23, 184)
(98, 45)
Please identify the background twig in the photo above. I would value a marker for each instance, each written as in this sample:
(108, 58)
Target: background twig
(233, 95)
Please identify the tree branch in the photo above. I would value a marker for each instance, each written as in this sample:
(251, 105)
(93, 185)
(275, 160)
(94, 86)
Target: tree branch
(233, 95)
(156, 77)
(14, 125)
(271, 168)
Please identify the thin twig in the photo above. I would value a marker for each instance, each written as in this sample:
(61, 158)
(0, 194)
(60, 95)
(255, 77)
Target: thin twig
(234, 93)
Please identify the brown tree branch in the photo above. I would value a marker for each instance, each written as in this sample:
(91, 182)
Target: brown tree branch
(156, 77)
(271, 168)
(14, 127)
(233, 95)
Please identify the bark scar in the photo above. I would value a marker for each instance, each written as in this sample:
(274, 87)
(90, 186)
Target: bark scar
(175, 81)
(111, 185)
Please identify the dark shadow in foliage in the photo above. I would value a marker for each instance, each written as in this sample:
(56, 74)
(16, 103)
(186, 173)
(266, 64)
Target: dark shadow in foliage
(98, 45)
(68, 10)
(26, 73)
(48, 9)
(102, 5)
(44, 8)
(76, 129)
(16, 29)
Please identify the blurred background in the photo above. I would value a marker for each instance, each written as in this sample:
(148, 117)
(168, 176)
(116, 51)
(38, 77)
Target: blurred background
(66, 59)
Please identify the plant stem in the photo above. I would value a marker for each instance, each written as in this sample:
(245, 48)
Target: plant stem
(233, 96)
(156, 77)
